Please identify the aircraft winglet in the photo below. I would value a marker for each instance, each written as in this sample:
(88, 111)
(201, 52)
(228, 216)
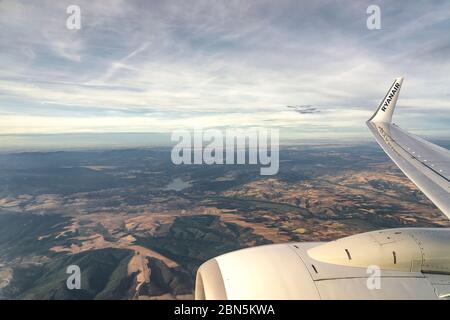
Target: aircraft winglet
(387, 106)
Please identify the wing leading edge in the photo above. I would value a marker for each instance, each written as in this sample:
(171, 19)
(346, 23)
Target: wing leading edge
(424, 163)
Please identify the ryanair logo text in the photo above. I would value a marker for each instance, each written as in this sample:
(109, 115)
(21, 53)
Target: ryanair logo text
(391, 95)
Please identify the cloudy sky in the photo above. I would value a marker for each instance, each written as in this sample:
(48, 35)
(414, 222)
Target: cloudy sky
(156, 66)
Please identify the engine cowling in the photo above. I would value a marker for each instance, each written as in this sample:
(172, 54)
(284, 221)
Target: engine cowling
(334, 270)
(407, 249)
(265, 272)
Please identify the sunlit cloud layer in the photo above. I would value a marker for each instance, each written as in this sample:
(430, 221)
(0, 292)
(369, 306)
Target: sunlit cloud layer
(156, 66)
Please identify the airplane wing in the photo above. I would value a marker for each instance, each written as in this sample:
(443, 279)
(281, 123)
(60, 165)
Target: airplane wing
(424, 163)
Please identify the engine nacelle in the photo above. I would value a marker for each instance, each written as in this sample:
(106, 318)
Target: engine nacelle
(334, 270)
(408, 249)
(265, 272)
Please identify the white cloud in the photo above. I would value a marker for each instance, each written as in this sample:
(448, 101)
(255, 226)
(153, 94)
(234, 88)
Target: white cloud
(154, 66)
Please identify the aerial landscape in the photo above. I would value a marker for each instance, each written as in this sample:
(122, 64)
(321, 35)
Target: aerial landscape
(143, 144)
(139, 226)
